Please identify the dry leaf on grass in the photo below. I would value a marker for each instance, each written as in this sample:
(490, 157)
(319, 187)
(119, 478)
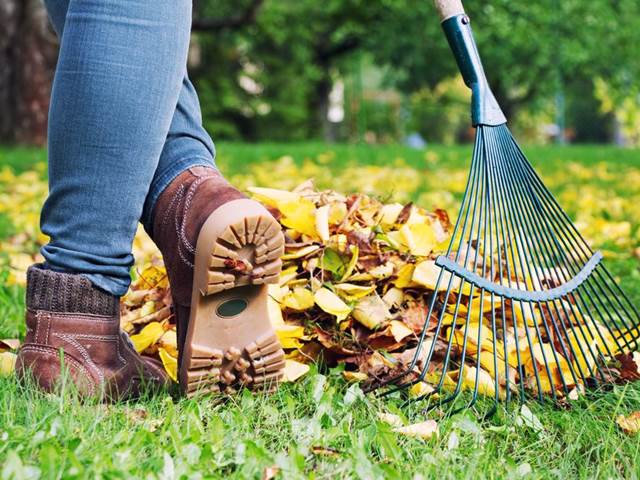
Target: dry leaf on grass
(294, 370)
(325, 451)
(391, 419)
(629, 424)
(424, 430)
(7, 363)
(270, 472)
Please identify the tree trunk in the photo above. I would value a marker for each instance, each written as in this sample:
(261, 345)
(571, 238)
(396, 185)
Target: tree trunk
(28, 52)
(320, 106)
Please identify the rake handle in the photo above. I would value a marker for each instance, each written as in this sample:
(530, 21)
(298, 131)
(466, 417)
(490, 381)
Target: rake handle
(449, 8)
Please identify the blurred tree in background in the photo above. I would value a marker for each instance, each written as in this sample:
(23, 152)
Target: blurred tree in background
(376, 70)
(27, 60)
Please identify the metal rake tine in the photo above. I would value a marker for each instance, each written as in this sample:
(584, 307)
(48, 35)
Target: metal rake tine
(593, 296)
(545, 242)
(542, 241)
(559, 213)
(553, 218)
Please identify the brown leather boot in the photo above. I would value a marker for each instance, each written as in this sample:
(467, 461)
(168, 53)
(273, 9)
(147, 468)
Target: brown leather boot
(220, 249)
(72, 323)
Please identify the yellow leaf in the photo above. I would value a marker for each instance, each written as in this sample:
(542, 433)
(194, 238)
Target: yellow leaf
(489, 302)
(630, 424)
(294, 370)
(331, 303)
(169, 342)
(322, 222)
(273, 197)
(389, 213)
(351, 291)
(419, 238)
(404, 276)
(477, 335)
(371, 311)
(417, 215)
(487, 361)
(426, 274)
(273, 305)
(526, 314)
(152, 276)
(299, 253)
(147, 309)
(149, 335)
(355, 252)
(420, 389)
(170, 364)
(557, 365)
(393, 298)
(299, 299)
(391, 419)
(381, 272)
(354, 377)
(395, 240)
(424, 430)
(7, 363)
(486, 385)
(289, 336)
(289, 274)
(398, 330)
(337, 212)
(338, 242)
(299, 216)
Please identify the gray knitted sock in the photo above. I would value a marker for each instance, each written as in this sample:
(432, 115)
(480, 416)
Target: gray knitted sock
(65, 292)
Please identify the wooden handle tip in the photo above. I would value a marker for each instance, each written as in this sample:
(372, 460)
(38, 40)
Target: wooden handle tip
(449, 8)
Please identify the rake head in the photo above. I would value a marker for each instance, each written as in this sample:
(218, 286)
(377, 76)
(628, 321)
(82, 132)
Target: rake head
(521, 305)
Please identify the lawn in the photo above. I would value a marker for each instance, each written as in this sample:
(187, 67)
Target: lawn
(322, 427)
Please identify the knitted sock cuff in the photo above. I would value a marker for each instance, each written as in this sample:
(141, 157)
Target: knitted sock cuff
(65, 292)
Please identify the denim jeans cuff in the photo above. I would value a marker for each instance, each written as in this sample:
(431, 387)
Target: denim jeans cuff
(112, 285)
(163, 180)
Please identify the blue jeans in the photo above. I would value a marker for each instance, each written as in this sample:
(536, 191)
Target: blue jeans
(124, 121)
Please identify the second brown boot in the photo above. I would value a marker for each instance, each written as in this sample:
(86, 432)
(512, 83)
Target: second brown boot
(73, 326)
(220, 250)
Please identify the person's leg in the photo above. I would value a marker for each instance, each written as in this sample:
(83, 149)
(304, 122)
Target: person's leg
(180, 201)
(119, 76)
(116, 87)
(187, 143)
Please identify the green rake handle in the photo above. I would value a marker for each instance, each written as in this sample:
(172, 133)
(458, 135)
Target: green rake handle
(457, 28)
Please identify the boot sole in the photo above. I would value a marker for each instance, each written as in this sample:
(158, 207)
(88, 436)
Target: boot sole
(230, 342)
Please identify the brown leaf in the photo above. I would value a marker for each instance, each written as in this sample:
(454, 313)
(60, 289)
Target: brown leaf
(629, 366)
(414, 317)
(405, 213)
(443, 218)
(9, 344)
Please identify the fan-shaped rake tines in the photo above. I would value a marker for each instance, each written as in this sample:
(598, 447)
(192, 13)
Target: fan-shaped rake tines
(521, 306)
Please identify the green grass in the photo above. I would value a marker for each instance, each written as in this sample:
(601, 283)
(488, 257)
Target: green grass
(58, 436)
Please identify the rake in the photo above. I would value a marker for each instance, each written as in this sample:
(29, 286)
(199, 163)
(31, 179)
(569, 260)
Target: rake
(522, 306)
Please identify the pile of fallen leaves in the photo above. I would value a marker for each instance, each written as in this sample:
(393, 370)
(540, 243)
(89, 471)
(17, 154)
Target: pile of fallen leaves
(357, 281)
(354, 283)
(358, 277)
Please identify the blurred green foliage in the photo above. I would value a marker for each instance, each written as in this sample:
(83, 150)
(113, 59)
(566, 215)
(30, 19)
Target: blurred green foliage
(270, 77)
